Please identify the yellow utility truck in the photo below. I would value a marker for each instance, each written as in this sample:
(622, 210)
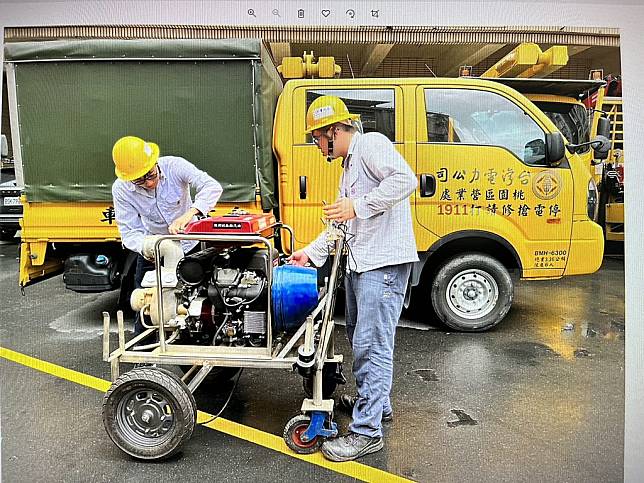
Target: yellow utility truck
(500, 190)
(561, 101)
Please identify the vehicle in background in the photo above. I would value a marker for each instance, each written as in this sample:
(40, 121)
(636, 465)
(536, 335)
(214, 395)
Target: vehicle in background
(581, 111)
(10, 206)
(559, 99)
(600, 114)
(495, 194)
(608, 102)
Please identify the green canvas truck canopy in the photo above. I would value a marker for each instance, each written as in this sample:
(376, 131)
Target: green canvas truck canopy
(209, 101)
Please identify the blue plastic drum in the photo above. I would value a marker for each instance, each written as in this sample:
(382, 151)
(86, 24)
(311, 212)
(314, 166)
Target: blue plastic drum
(295, 295)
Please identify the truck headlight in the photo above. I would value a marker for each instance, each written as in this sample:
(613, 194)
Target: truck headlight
(592, 200)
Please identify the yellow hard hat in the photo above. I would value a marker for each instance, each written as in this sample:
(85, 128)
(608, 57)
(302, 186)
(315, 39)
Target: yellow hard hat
(133, 157)
(327, 110)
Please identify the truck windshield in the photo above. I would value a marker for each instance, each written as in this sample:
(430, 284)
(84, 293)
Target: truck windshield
(571, 119)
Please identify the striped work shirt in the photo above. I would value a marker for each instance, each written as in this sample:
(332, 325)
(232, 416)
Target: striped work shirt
(379, 181)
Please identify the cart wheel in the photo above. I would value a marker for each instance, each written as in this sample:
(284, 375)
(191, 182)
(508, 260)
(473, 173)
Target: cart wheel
(293, 432)
(149, 412)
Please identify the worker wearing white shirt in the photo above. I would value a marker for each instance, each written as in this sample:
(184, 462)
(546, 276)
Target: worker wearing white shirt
(373, 203)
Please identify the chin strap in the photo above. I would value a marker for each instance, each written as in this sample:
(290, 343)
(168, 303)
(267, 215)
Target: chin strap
(329, 156)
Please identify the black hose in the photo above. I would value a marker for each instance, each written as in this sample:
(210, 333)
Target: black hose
(230, 395)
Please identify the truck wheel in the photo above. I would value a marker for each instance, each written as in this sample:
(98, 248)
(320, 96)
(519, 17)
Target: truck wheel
(472, 292)
(148, 413)
(8, 234)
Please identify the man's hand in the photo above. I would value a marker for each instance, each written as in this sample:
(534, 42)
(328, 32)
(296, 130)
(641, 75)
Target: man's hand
(180, 223)
(341, 210)
(298, 258)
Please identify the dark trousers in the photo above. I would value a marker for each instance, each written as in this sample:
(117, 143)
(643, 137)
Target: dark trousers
(142, 266)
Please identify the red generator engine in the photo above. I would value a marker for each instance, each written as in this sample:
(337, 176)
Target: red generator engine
(235, 223)
(226, 283)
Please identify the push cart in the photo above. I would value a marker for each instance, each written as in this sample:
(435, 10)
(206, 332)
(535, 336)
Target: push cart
(234, 303)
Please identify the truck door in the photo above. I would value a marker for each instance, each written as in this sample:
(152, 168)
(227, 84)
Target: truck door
(486, 155)
(312, 178)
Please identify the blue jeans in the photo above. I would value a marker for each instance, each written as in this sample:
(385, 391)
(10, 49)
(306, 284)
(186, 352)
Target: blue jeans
(374, 301)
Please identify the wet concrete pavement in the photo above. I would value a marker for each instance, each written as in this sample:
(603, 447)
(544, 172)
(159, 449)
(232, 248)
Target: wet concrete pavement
(539, 398)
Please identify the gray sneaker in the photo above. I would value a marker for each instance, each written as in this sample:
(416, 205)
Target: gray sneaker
(347, 402)
(350, 447)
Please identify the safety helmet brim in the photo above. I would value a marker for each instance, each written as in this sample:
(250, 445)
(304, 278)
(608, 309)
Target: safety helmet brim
(331, 120)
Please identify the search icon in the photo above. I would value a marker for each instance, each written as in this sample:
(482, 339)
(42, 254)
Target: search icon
(276, 12)
(251, 12)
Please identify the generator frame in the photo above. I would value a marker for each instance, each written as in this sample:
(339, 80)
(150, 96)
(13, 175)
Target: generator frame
(318, 340)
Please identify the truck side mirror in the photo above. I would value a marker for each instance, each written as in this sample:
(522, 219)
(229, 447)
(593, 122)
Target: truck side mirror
(603, 127)
(601, 147)
(554, 148)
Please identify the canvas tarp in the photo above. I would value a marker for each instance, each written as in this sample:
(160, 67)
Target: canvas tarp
(209, 101)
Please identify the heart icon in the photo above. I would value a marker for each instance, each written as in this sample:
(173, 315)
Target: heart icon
(326, 13)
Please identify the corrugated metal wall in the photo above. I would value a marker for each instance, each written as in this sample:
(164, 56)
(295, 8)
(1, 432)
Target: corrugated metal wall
(606, 37)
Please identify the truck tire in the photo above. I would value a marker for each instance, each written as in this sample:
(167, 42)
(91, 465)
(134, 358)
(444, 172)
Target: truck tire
(472, 292)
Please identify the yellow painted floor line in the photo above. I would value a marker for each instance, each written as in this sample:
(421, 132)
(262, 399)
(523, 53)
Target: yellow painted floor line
(267, 440)
(55, 370)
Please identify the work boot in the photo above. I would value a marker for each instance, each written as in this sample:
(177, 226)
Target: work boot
(350, 447)
(347, 402)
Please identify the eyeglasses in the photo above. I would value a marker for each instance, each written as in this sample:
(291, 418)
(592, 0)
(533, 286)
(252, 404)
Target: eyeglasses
(316, 139)
(150, 175)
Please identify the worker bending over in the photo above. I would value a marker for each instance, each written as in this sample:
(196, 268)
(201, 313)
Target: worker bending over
(152, 197)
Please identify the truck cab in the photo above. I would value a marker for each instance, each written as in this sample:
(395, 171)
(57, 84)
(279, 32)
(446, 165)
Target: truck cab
(576, 107)
(497, 191)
